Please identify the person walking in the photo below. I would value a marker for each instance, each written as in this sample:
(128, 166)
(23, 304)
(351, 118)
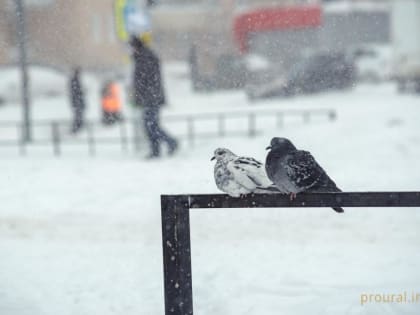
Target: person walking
(111, 103)
(149, 95)
(77, 101)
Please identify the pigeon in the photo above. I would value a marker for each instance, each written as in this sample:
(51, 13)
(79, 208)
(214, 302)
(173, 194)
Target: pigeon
(294, 171)
(238, 176)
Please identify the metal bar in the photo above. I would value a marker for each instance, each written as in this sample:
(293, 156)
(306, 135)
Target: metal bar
(252, 125)
(200, 116)
(55, 136)
(191, 134)
(305, 200)
(42, 142)
(90, 139)
(20, 14)
(123, 136)
(212, 115)
(176, 255)
(222, 125)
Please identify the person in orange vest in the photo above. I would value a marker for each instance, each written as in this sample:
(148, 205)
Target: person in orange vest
(111, 103)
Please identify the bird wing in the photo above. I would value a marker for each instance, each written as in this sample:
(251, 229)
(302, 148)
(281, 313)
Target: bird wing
(303, 170)
(249, 172)
(241, 160)
(226, 181)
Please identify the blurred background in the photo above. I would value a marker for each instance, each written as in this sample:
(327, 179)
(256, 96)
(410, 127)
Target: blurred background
(264, 49)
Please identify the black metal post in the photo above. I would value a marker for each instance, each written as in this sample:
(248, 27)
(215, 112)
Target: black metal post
(252, 132)
(221, 125)
(151, 3)
(123, 136)
(176, 255)
(309, 200)
(55, 134)
(20, 15)
(21, 138)
(90, 138)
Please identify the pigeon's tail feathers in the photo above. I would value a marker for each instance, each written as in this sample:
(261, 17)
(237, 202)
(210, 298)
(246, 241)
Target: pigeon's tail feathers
(338, 209)
(272, 189)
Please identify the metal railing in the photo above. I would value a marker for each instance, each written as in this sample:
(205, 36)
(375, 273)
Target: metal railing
(127, 133)
(176, 240)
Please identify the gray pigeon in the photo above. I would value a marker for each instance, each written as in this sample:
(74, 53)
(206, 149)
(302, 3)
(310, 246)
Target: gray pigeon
(294, 171)
(238, 176)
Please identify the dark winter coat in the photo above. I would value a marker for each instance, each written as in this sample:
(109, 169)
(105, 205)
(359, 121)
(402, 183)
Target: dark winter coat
(76, 93)
(147, 85)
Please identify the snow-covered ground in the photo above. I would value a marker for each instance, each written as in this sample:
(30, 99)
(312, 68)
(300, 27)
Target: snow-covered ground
(82, 235)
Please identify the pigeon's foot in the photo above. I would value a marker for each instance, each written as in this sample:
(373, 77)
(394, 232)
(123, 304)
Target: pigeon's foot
(338, 209)
(292, 196)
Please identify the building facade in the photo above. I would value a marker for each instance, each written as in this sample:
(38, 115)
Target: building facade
(68, 33)
(63, 34)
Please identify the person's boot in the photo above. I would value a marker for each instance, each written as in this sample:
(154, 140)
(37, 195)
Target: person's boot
(155, 151)
(173, 147)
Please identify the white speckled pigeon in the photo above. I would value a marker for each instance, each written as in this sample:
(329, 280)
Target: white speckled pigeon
(294, 171)
(238, 176)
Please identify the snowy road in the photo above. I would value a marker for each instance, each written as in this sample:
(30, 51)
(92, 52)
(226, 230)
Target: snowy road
(81, 235)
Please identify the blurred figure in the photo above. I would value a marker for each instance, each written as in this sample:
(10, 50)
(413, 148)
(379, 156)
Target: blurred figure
(192, 61)
(149, 94)
(77, 101)
(111, 103)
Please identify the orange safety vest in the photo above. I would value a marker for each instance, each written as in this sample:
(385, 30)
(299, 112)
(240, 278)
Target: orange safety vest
(111, 101)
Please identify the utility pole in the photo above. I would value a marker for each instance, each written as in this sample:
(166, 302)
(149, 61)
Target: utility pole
(151, 3)
(21, 32)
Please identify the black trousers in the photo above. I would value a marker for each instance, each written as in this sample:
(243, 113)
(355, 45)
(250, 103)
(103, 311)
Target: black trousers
(78, 119)
(155, 133)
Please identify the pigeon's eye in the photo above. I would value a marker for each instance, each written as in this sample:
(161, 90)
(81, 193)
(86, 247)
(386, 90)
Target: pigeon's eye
(221, 152)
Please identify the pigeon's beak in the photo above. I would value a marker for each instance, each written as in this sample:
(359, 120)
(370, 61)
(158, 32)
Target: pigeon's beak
(212, 158)
(268, 148)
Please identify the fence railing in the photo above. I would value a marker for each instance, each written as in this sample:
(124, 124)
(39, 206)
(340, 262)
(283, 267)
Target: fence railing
(176, 239)
(127, 133)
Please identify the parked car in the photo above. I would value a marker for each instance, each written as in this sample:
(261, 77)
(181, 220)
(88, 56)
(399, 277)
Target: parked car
(216, 71)
(373, 62)
(318, 72)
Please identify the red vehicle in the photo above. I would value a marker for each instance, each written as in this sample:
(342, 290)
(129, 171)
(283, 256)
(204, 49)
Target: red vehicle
(276, 32)
(295, 19)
